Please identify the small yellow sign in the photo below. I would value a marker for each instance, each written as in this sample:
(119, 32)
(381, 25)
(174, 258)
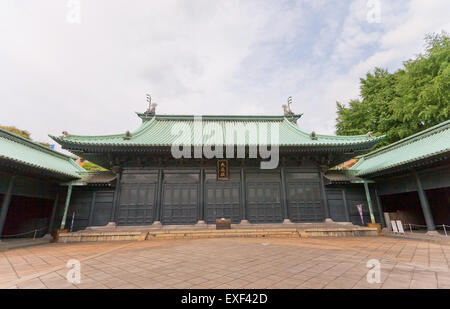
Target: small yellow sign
(223, 172)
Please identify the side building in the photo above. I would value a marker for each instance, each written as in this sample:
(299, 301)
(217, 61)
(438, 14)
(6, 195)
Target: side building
(412, 178)
(31, 176)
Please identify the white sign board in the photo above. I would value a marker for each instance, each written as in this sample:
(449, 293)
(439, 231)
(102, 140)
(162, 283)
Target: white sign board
(394, 226)
(400, 227)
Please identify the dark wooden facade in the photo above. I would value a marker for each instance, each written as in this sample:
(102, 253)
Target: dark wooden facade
(187, 195)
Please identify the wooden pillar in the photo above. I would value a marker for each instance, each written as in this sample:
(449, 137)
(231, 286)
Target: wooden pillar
(201, 217)
(284, 195)
(243, 196)
(324, 198)
(159, 197)
(5, 204)
(52, 217)
(116, 197)
(66, 207)
(347, 210)
(425, 205)
(380, 210)
(369, 201)
(91, 210)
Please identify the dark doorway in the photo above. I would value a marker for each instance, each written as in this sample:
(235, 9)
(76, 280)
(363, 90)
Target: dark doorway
(27, 215)
(439, 200)
(404, 206)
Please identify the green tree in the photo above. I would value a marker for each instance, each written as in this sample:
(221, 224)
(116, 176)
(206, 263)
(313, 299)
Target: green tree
(16, 131)
(89, 166)
(22, 133)
(400, 104)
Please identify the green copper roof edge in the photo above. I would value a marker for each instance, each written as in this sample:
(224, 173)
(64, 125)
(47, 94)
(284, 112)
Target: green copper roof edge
(417, 136)
(143, 147)
(403, 163)
(355, 138)
(147, 124)
(149, 120)
(43, 167)
(139, 130)
(127, 144)
(19, 139)
(86, 172)
(89, 137)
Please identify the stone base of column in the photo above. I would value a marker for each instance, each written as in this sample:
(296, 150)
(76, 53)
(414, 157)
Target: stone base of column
(329, 220)
(158, 223)
(287, 221)
(47, 236)
(200, 222)
(432, 233)
(244, 222)
(343, 223)
(111, 225)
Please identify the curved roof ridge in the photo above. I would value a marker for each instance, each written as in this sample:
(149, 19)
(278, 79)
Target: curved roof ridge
(220, 117)
(333, 137)
(296, 128)
(142, 128)
(147, 124)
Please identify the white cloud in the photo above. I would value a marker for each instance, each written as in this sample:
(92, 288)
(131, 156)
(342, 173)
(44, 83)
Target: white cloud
(195, 57)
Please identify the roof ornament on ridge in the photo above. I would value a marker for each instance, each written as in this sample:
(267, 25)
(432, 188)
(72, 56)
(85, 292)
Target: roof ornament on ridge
(288, 113)
(151, 106)
(127, 135)
(313, 136)
(287, 108)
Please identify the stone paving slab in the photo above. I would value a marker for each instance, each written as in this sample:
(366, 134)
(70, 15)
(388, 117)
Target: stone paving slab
(231, 263)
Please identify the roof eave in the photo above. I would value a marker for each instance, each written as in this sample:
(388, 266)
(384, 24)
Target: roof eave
(17, 164)
(404, 166)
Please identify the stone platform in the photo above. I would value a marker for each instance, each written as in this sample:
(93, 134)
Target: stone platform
(127, 233)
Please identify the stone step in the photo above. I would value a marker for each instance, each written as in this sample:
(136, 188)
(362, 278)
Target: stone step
(222, 234)
(207, 233)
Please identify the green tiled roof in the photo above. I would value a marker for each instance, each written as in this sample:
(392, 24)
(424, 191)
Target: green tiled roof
(432, 142)
(157, 131)
(21, 151)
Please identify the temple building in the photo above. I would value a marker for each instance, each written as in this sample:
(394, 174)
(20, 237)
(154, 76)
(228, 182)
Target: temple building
(191, 170)
(187, 170)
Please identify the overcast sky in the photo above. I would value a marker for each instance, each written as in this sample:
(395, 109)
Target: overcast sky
(88, 73)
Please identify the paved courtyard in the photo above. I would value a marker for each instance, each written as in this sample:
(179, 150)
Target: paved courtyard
(231, 263)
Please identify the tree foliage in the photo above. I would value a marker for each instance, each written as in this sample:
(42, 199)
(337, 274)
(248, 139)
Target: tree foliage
(16, 131)
(89, 166)
(22, 133)
(400, 104)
